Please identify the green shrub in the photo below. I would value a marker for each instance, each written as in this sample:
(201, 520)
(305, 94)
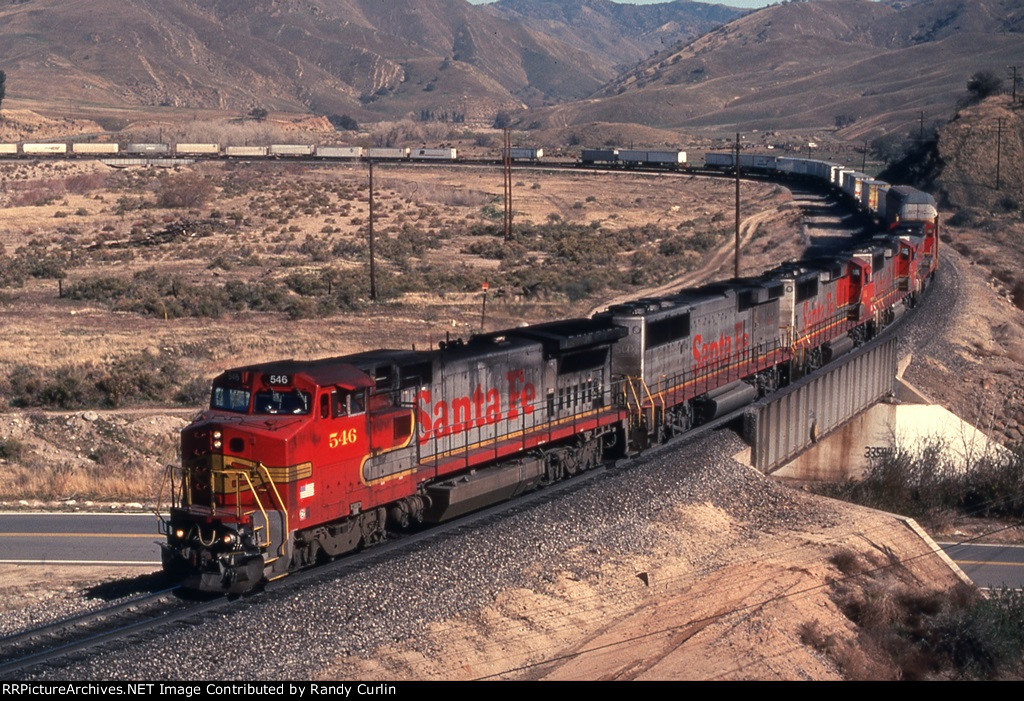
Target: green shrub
(136, 378)
(11, 449)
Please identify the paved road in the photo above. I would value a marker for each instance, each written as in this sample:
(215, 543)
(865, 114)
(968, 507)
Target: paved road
(131, 539)
(83, 539)
(990, 566)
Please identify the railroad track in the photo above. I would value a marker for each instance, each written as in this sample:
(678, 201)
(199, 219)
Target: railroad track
(81, 632)
(33, 648)
(89, 631)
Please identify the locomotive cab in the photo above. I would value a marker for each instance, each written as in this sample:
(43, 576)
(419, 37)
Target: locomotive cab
(250, 467)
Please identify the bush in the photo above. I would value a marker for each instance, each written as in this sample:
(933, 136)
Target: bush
(502, 120)
(923, 482)
(967, 216)
(905, 633)
(136, 378)
(983, 84)
(1017, 294)
(982, 639)
(11, 449)
(183, 191)
(344, 122)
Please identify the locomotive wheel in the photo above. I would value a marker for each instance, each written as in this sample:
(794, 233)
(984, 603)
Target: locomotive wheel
(372, 523)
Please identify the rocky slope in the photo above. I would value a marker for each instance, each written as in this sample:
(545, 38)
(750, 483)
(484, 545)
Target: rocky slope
(870, 66)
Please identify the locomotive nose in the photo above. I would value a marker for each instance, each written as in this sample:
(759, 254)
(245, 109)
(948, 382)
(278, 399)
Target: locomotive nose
(213, 439)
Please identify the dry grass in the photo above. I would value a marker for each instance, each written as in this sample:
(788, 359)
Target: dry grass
(135, 287)
(72, 456)
(292, 233)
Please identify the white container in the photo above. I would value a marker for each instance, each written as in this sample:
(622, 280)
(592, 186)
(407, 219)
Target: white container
(719, 160)
(44, 149)
(245, 151)
(8, 149)
(291, 149)
(435, 154)
(339, 151)
(197, 149)
(150, 149)
(756, 161)
(381, 152)
(105, 149)
(652, 157)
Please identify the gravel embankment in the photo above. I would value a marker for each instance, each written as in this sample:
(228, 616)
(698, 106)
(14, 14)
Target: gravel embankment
(929, 330)
(296, 631)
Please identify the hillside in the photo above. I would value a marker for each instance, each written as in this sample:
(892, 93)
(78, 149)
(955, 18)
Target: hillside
(360, 57)
(967, 147)
(620, 32)
(803, 65)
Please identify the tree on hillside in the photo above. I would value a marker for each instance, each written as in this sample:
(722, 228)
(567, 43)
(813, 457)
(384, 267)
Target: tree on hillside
(3, 87)
(258, 113)
(889, 148)
(502, 120)
(343, 121)
(982, 84)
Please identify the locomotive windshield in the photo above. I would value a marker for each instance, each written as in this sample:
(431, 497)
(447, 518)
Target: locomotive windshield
(274, 401)
(230, 399)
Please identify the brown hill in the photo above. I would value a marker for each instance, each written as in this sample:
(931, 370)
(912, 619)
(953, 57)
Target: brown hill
(976, 157)
(362, 57)
(807, 64)
(621, 34)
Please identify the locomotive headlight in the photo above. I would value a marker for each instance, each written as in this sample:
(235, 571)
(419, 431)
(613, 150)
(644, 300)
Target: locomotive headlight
(229, 538)
(217, 444)
(179, 533)
(216, 434)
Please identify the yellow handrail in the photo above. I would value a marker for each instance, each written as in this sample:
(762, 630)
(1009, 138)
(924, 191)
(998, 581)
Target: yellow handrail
(647, 389)
(271, 486)
(636, 397)
(280, 502)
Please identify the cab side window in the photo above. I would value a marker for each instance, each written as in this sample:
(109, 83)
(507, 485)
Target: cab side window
(345, 403)
(357, 402)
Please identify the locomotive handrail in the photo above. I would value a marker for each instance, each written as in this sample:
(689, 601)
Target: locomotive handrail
(284, 511)
(266, 479)
(168, 474)
(647, 389)
(636, 398)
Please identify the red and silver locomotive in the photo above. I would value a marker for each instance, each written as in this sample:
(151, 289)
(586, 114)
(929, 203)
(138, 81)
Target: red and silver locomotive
(295, 461)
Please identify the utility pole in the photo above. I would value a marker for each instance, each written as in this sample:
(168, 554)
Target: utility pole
(864, 161)
(999, 149)
(1013, 99)
(373, 271)
(920, 133)
(506, 162)
(736, 267)
(483, 308)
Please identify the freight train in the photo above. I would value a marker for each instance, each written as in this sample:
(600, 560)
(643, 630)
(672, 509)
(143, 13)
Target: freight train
(297, 461)
(634, 158)
(210, 151)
